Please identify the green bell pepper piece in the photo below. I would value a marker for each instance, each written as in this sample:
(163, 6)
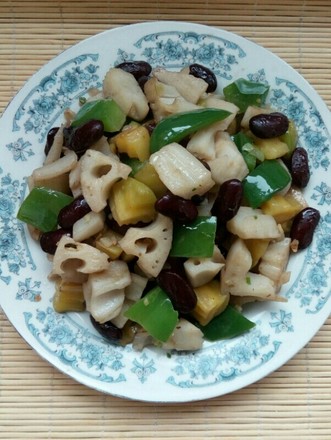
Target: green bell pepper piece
(195, 239)
(264, 181)
(248, 150)
(176, 127)
(41, 208)
(133, 162)
(105, 110)
(226, 325)
(155, 313)
(290, 138)
(244, 93)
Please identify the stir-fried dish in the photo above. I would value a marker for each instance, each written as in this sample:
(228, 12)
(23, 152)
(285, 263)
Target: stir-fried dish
(167, 202)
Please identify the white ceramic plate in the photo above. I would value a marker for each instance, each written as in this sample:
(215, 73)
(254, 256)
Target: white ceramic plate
(68, 341)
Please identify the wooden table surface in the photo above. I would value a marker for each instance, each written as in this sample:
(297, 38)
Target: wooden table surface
(39, 402)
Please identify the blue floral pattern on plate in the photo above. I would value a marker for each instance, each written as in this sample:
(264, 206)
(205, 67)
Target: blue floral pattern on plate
(69, 341)
(55, 92)
(180, 49)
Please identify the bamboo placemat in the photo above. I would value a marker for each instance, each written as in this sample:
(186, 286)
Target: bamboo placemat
(37, 401)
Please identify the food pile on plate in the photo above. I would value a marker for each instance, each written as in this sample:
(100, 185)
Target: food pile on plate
(166, 204)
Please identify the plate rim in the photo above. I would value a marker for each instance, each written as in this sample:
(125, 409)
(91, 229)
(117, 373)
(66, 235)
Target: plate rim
(321, 106)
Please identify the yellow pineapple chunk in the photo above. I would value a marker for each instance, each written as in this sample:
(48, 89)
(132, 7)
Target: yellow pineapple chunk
(211, 302)
(69, 297)
(282, 208)
(127, 257)
(295, 197)
(134, 141)
(148, 175)
(257, 248)
(272, 148)
(132, 201)
(107, 242)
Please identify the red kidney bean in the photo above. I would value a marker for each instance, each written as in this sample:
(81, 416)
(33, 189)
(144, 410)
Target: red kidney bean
(269, 125)
(197, 199)
(303, 227)
(142, 81)
(67, 133)
(222, 238)
(176, 264)
(50, 139)
(83, 137)
(108, 330)
(138, 69)
(228, 200)
(179, 290)
(177, 208)
(150, 125)
(69, 214)
(299, 167)
(206, 74)
(49, 240)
